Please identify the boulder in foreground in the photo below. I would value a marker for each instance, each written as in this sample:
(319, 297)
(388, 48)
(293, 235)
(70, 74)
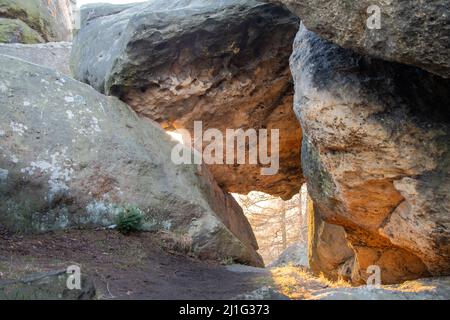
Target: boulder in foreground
(71, 157)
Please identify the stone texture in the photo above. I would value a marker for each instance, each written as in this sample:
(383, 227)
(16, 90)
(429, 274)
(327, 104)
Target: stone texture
(329, 253)
(240, 268)
(46, 286)
(376, 150)
(14, 31)
(53, 55)
(263, 293)
(296, 254)
(51, 20)
(412, 32)
(224, 63)
(71, 157)
(96, 10)
(422, 289)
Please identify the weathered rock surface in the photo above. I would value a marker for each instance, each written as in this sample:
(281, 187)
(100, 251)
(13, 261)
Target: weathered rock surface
(33, 21)
(16, 31)
(376, 151)
(224, 63)
(296, 254)
(71, 157)
(412, 32)
(53, 55)
(422, 289)
(96, 10)
(46, 286)
(329, 253)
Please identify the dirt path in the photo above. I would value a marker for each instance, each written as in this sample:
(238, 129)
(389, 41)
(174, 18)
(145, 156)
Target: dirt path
(124, 267)
(146, 266)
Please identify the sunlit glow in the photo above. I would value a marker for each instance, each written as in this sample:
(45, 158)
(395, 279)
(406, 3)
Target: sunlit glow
(277, 224)
(298, 283)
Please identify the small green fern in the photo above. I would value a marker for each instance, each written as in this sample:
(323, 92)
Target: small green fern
(130, 219)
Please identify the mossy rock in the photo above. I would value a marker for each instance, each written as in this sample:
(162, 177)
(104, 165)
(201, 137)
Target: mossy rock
(16, 31)
(50, 19)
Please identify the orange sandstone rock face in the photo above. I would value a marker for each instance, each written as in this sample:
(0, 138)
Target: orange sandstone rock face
(225, 64)
(244, 103)
(376, 156)
(329, 253)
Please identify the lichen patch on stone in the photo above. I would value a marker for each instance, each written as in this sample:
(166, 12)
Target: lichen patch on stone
(70, 114)
(69, 99)
(18, 128)
(58, 168)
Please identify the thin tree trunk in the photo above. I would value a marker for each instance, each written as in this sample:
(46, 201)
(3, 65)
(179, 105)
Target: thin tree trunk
(283, 225)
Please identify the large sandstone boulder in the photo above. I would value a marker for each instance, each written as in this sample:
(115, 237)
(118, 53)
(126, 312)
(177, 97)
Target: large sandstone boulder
(411, 32)
(71, 157)
(53, 55)
(33, 21)
(376, 155)
(224, 63)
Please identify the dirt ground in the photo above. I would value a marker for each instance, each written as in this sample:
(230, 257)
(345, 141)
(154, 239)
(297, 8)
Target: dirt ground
(139, 266)
(155, 266)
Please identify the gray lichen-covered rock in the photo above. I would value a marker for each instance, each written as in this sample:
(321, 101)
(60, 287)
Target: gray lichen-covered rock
(71, 157)
(47, 20)
(93, 11)
(412, 32)
(296, 254)
(224, 63)
(376, 154)
(53, 55)
(46, 286)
